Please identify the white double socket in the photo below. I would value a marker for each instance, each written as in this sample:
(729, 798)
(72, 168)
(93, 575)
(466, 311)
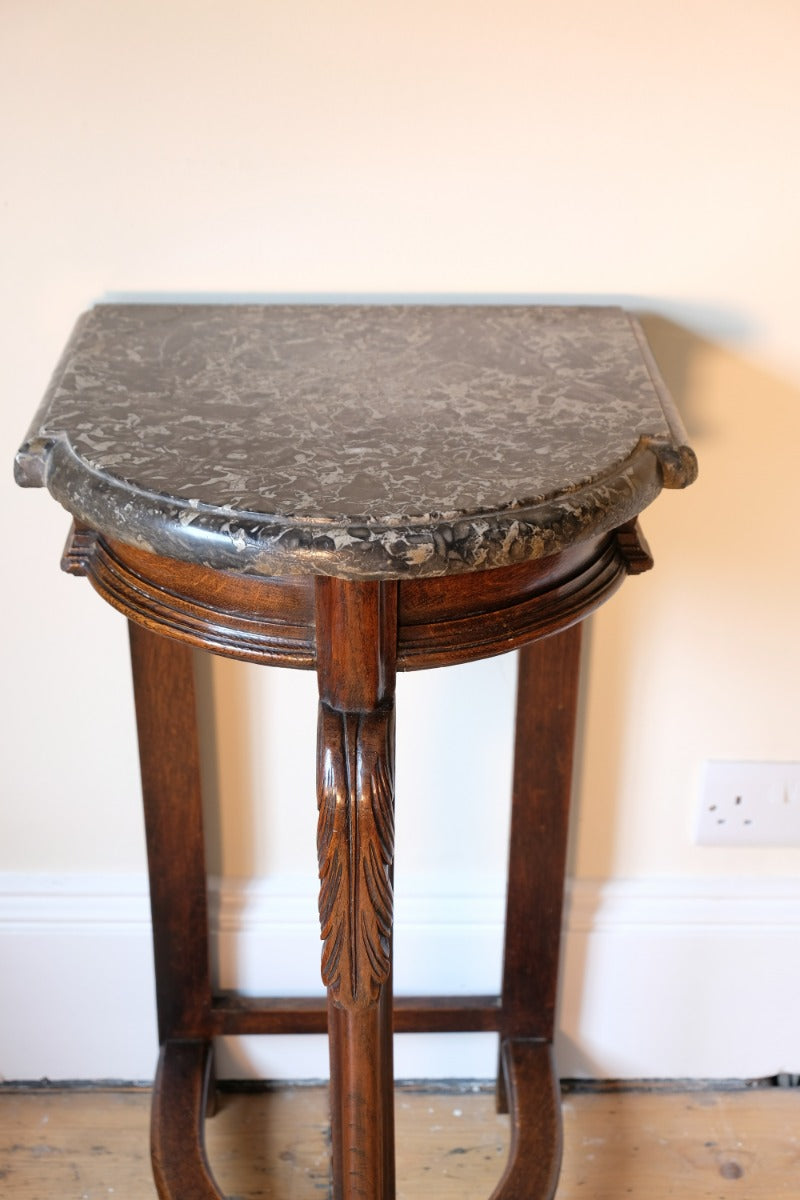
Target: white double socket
(749, 804)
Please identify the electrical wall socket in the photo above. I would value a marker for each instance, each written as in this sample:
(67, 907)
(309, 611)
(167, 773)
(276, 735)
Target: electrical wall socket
(749, 804)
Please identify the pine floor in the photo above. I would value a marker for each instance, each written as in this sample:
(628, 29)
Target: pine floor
(726, 1145)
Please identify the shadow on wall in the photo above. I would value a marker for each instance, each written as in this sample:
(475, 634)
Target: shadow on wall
(743, 422)
(721, 598)
(223, 692)
(676, 349)
(608, 662)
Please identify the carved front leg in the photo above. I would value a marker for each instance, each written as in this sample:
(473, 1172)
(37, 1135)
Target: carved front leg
(356, 646)
(355, 842)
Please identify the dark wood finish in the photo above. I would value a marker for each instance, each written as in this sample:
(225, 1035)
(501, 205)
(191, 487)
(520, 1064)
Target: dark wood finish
(79, 549)
(386, 1069)
(356, 634)
(163, 680)
(455, 622)
(536, 1139)
(356, 847)
(255, 619)
(357, 645)
(634, 548)
(226, 461)
(547, 699)
(440, 621)
(235, 1014)
(180, 1101)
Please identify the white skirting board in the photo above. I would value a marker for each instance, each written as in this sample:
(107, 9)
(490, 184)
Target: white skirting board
(669, 978)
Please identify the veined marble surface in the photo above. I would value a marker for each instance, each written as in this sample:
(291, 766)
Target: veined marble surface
(361, 441)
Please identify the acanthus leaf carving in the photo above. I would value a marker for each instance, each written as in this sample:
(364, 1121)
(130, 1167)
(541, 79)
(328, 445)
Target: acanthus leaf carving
(355, 841)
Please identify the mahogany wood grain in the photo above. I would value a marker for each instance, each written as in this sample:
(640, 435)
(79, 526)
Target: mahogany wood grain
(534, 1159)
(516, 477)
(440, 621)
(356, 627)
(163, 681)
(386, 1068)
(356, 635)
(357, 644)
(534, 613)
(255, 619)
(547, 700)
(180, 1098)
(634, 548)
(236, 1014)
(547, 697)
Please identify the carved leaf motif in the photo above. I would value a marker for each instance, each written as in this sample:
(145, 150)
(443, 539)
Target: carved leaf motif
(355, 842)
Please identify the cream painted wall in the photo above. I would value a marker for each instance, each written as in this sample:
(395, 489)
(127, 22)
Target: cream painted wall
(629, 151)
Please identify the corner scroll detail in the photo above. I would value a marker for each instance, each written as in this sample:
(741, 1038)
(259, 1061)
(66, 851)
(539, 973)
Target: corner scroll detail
(355, 842)
(677, 463)
(79, 549)
(633, 547)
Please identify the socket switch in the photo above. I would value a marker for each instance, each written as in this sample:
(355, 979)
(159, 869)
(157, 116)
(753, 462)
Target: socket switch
(749, 804)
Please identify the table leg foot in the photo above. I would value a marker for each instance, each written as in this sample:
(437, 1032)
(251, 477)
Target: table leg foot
(535, 1105)
(180, 1099)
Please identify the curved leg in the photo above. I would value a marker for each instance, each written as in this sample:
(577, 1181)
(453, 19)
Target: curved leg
(184, 1093)
(547, 700)
(535, 1103)
(356, 632)
(180, 1099)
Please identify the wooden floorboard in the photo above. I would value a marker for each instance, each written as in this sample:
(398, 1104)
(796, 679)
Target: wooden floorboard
(93, 1145)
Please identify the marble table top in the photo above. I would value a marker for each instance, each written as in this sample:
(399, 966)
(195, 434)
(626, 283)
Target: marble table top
(361, 441)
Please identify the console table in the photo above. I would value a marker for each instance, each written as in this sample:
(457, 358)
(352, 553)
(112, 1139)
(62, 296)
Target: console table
(356, 490)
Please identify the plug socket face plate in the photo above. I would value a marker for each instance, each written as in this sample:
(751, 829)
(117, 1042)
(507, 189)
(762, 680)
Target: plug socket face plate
(749, 804)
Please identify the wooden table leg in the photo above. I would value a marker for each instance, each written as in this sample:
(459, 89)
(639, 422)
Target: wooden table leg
(547, 699)
(356, 646)
(163, 681)
(357, 636)
(180, 1098)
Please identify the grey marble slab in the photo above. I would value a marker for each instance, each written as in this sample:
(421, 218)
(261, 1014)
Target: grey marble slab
(360, 441)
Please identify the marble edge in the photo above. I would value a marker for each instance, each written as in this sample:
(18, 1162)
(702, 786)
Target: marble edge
(256, 544)
(677, 459)
(32, 459)
(260, 544)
